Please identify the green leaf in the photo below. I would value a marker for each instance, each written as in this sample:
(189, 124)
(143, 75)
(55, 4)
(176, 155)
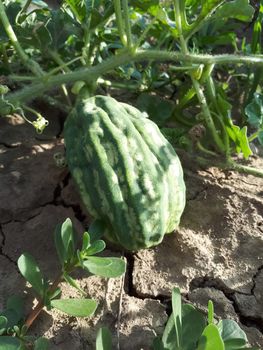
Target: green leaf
(104, 339)
(42, 344)
(85, 241)
(31, 272)
(105, 267)
(260, 137)
(3, 324)
(16, 303)
(158, 110)
(9, 343)
(209, 6)
(95, 248)
(169, 337)
(11, 316)
(65, 241)
(75, 307)
(177, 315)
(158, 344)
(193, 324)
(230, 330)
(67, 236)
(211, 339)
(254, 111)
(236, 9)
(78, 8)
(239, 136)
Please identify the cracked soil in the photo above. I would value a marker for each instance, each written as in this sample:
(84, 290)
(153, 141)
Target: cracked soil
(216, 254)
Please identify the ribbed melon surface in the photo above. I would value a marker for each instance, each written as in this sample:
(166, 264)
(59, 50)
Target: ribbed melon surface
(127, 173)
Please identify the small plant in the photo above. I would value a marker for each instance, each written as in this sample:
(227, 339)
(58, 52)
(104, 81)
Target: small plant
(13, 325)
(188, 329)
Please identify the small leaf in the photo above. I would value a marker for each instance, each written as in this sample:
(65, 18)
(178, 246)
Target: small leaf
(67, 236)
(95, 248)
(104, 339)
(85, 241)
(105, 267)
(9, 343)
(75, 307)
(42, 344)
(211, 339)
(65, 241)
(12, 317)
(31, 272)
(3, 324)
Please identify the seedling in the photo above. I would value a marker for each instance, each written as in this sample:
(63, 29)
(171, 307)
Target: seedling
(14, 326)
(188, 329)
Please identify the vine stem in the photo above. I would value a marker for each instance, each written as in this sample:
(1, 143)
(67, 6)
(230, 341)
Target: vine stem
(230, 165)
(199, 91)
(91, 73)
(119, 21)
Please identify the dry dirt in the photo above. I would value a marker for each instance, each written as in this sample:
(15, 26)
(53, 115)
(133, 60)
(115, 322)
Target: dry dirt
(216, 254)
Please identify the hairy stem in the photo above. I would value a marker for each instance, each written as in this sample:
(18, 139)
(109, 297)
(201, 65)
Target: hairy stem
(119, 21)
(197, 87)
(127, 23)
(90, 73)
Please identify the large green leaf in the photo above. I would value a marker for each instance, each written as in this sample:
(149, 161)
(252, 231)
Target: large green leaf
(75, 307)
(31, 272)
(105, 267)
(193, 324)
(237, 9)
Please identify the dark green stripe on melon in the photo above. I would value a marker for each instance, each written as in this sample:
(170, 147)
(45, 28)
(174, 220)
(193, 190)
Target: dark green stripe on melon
(126, 171)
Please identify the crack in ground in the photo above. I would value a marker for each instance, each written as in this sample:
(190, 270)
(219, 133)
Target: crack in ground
(254, 278)
(131, 291)
(6, 145)
(2, 249)
(210, 282)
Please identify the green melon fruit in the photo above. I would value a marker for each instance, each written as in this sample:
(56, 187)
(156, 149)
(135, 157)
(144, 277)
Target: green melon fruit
(127, 173)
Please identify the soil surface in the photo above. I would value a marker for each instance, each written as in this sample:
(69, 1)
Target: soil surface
(216, 254)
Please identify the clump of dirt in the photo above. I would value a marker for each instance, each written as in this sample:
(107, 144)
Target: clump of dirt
(215, 254)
